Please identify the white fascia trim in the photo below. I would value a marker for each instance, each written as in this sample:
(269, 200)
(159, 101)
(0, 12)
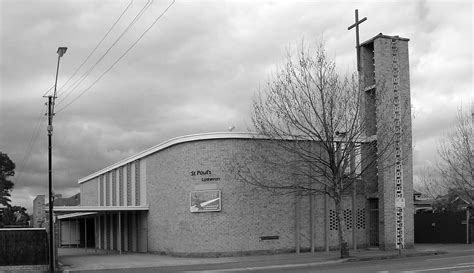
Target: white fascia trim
(171, 142)
(99, 208)
(5, 229)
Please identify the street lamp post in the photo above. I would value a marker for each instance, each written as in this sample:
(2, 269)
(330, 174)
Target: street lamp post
(51, 100)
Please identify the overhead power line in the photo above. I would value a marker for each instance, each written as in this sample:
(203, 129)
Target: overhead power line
(47, 91)
(125, 53)
(34, 135)
(97, 46)
(87, 73)
(92, 52)
(31, 143)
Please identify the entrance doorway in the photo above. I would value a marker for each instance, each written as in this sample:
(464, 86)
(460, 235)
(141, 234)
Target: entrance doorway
(373, 222)
(77, 232)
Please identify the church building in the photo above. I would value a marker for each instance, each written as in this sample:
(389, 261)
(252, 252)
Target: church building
(181, 197)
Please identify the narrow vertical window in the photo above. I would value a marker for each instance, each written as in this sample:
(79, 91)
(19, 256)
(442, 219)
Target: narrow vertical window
(101, 190)
(107, 190)
(121, 186)
(358, 160)
(137, 182)
(129, 184)
(114, 188)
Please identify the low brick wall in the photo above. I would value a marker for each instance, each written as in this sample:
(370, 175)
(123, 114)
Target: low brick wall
(23, 246)
(25, 269)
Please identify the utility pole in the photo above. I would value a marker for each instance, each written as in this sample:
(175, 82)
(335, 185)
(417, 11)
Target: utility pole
(51, 100)
(50, 184)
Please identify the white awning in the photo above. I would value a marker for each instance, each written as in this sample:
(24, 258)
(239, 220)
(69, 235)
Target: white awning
(98, 208)
(75, 215)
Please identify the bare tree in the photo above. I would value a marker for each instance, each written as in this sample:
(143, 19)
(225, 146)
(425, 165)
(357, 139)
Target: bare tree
(456, 157)
(316, 116)
(431, 185)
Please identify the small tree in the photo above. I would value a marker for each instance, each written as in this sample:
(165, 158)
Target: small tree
(7, 169)
(15, 215)
(315, 116)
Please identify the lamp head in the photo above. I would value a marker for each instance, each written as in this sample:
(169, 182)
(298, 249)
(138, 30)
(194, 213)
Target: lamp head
(61, 51)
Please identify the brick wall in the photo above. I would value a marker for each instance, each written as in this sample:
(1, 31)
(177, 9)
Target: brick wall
(247, 212)
(23, 247)
(384, 74)
(25, 268)
(38, 211)
(89, 193)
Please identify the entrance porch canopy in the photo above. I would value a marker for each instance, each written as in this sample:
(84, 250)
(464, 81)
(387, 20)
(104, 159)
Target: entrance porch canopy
(77, 212)
(75, 215)
(82, 211)
(99, 208)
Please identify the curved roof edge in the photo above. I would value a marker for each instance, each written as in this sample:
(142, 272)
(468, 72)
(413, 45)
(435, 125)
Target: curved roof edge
(169, 143)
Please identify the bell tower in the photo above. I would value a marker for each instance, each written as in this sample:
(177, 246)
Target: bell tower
(386, 112)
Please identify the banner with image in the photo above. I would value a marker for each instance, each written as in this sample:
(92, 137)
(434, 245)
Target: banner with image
(204, 201)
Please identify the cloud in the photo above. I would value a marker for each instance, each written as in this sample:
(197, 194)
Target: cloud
(196, 71)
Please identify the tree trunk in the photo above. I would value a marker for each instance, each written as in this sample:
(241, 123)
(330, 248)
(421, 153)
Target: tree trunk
(343, 245)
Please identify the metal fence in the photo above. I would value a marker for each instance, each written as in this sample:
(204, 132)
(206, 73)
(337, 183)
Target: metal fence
(444, 227)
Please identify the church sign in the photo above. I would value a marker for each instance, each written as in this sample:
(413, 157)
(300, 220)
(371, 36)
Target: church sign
(205, 201)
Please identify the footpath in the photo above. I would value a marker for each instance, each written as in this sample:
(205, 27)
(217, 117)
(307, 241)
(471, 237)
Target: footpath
(81, 260)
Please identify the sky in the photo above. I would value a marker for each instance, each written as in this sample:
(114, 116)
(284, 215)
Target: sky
(195, 71)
